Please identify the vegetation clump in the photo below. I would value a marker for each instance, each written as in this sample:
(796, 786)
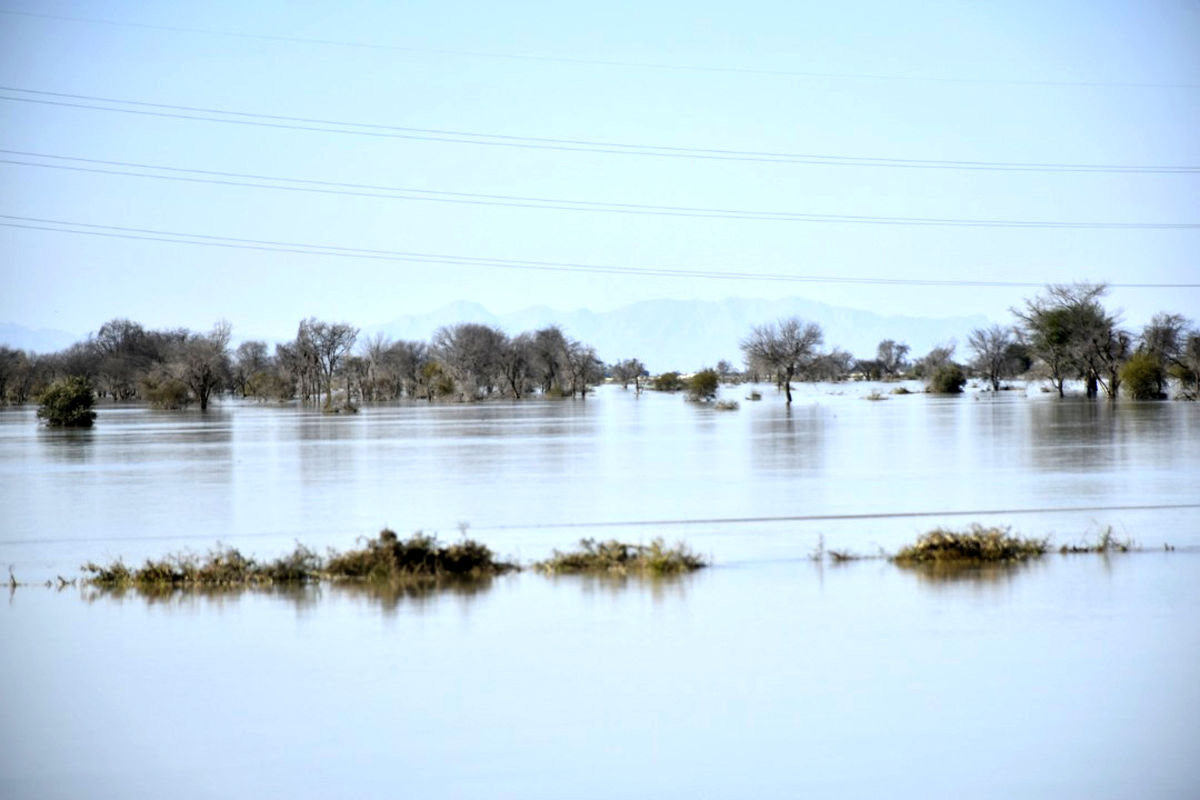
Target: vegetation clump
(68, 403)
(621, 558)
(389, 557)
(975, 545)
(386, 558)
(702, 386)
(1144, 377)
(1106, 542)
(726, 405)
(668, 382)
(947, 379)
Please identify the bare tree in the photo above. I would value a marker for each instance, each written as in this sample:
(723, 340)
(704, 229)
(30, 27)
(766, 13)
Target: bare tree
(203, 362)
(250, 359)
(629, 370)
(550, 358)
(471, 353)
(328, 344)
(783, 348)
(584, 368)
(516, 364)
(991, 346)
(891, 357)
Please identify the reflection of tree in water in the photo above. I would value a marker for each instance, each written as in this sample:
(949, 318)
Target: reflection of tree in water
(415, 593)
(968, 574)
(387, 596)
(660, 587)
(795, 439)
(68, 445)
(202, 598)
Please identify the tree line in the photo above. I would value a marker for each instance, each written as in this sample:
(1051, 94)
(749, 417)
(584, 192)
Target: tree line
(1063, 334)
(327, 363)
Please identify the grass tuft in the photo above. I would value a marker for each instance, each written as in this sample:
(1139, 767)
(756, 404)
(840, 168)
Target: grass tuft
(623, 559)
(977, 544)
(1106, 542)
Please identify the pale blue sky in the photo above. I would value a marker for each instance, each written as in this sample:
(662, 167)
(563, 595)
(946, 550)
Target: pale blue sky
(1045, 82)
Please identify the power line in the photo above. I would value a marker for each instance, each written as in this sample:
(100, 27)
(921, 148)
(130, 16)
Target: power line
(266, 245)
(612, 63)
(205, 114)
(249, 180)
(659, 522)
(989, 512)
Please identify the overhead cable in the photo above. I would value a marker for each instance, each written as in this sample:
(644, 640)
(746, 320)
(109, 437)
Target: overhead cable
(248, 180)
(311, 124)
(612, 63)
(207, 240)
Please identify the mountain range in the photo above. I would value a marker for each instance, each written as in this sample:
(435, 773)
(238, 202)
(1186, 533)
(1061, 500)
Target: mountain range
(686, 335)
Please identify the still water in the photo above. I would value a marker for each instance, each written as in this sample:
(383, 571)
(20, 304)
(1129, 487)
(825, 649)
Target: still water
(765, 676)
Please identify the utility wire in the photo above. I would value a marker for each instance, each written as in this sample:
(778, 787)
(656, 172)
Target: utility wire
(205, 114)
(205, 240)
(654, 523)
(220, 178)
(988, 512)
(597, 62)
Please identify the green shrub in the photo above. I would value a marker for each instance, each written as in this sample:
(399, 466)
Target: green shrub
(703, 385)
(668, 382)
(165, 391)
(947, 379)
(68, 403)
(1143, 376)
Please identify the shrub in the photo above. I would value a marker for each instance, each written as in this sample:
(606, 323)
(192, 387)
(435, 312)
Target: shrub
(165, 391)
(1143, 377)
(947, 379)
(622, 559)
(68, 403)
(703, 385)
(668, 382)
(978, 544)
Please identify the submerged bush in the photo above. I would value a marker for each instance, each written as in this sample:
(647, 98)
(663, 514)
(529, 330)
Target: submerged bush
(390, 557)
(947, 379)
(68, 403)
(668, 382)
(977, 544)
(622, 558)
(165, 391)
(386, 558)
(703, 385)
(1143, 377)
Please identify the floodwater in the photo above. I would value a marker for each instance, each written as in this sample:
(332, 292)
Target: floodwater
(767, 675)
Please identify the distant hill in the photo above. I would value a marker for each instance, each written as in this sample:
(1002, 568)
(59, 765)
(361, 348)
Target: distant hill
(689, 334)
(42, 340)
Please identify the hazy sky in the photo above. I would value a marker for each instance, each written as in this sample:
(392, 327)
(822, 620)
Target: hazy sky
(1114, 84)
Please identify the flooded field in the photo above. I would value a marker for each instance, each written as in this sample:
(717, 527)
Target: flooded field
(766, 675)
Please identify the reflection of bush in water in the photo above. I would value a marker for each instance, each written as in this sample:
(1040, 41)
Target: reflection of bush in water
(945, 573)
